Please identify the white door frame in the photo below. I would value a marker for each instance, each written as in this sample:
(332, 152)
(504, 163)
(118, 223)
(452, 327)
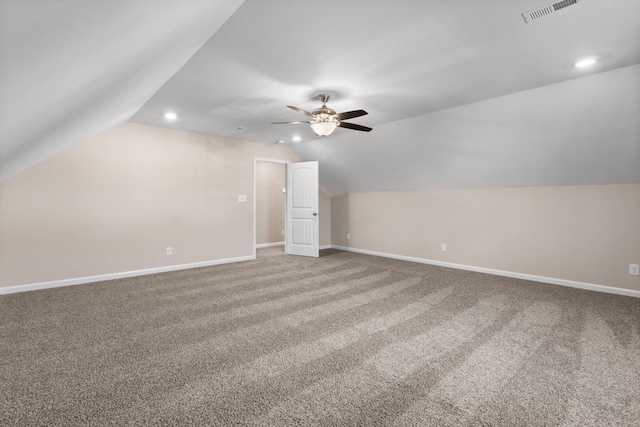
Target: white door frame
(286, 208)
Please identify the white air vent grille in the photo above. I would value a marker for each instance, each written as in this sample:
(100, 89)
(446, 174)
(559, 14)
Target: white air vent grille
(547, 9)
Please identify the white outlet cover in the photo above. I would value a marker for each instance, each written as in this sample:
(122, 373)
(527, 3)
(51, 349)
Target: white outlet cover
(348, 236)
(242, 198)
(443, 247)
(634, 269)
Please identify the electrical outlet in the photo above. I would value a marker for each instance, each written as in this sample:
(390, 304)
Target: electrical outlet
(169, 250)
(282, 232)
(443, 247)
(348, 236)
(634, 269)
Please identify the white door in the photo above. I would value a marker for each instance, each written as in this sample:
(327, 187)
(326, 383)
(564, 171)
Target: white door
(303, 225)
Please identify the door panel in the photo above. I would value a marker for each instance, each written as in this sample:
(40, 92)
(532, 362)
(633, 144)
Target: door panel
(303, 224)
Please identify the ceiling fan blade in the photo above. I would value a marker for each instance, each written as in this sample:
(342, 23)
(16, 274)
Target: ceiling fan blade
(351, 114)
(300, 110)
(354, 127)
(284, 123)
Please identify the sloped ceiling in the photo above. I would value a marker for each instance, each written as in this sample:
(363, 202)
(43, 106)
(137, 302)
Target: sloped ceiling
(460, 93)
(579, 132)
(71, 69)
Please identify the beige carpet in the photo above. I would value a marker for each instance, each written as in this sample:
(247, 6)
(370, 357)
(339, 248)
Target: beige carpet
(345, 339)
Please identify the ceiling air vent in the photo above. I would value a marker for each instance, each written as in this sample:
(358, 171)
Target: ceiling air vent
(548, 9)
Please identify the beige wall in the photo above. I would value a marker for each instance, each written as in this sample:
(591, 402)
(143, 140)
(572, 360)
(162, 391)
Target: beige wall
(114, 203)
(585, 233)
(270, 202)
(340, 223)
(325, 217)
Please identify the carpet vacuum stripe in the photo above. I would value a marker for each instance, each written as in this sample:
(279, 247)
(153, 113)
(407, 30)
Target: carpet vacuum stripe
(273, 364)
(480, 378)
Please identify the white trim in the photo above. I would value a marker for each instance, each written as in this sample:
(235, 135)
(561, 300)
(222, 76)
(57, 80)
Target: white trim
(325, 247)
(266, 245)
(523, 276)
(111, 276)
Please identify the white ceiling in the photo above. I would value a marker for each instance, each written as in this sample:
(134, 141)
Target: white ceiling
(416, 66)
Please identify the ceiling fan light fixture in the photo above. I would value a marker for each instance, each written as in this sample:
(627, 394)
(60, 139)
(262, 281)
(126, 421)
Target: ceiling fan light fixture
(324, 128)
(326, 120)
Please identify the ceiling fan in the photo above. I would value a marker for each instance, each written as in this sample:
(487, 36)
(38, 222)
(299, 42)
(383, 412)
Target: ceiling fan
(325, 120)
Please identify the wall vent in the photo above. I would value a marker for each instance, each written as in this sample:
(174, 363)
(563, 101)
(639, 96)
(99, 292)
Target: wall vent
(548, 9)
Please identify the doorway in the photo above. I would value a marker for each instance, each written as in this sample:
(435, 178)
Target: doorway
(300, 193)
(269, 203)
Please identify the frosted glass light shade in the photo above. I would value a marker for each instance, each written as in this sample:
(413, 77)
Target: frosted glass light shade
(323, 128)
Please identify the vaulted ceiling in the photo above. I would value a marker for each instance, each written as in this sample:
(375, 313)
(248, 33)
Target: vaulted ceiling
(459, 93)
(71, 69)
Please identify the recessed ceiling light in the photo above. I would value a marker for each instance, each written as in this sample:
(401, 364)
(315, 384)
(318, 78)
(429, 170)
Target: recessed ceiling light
(296, 138)
(170, 116)
(587, 62)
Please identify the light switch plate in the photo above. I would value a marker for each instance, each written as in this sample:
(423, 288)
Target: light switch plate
(242, 198)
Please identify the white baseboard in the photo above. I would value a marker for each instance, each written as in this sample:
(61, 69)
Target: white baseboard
(542, 279)
(267, 245)
(103, 277)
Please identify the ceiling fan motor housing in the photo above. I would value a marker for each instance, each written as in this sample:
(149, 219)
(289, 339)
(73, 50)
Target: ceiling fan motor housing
(324, 112)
